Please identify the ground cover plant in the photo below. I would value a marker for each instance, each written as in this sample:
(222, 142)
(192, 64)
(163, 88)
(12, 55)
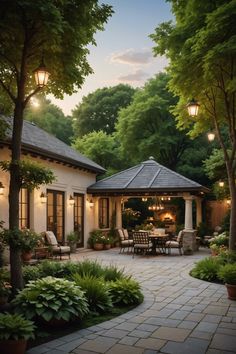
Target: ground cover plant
(210, 268)
(82, 294)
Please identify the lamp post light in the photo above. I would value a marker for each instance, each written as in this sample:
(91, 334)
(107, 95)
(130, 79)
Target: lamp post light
(221, 184)
(193, 107)
(211, 136)
(41, 75)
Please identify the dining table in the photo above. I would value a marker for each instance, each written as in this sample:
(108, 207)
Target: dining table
(158, 242)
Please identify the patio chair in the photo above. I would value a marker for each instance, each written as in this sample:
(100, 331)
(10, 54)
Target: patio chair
(125, 242)
(142, 243)
(178, 243)
(57, 250)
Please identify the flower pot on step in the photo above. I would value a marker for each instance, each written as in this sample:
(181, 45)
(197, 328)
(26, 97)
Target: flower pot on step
(98, 246)
(231, 289)
(10, 346)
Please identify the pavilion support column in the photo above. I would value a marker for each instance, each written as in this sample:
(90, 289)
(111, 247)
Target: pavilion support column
(198, 211)
(189, 239)
(118, 213)
(188, 221)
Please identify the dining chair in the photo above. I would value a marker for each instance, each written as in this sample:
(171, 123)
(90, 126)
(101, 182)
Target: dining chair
(178, 243)
(141, 242)
(125, 242)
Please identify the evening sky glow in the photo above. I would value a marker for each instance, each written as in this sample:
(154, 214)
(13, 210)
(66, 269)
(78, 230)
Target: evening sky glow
(124, 50)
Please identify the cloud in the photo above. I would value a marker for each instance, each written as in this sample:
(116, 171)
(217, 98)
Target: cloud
(132, 57)
(138, 75)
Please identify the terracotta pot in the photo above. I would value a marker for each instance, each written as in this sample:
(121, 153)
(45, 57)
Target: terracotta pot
(11, 346)
(231, 291)
(26, 256)
(98, 246)
(107, 246)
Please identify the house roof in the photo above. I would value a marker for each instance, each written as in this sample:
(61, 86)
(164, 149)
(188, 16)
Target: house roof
(146, 178)
(36, 141)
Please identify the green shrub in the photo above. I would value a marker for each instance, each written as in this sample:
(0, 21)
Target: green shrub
(112, 273)
(15, 326)
(220, 240)
(31, 273)
(207, 268)
(90, 268)
(51, 268)
(227, 273)
(126, 292)
(51, 298)
(227, 256)
(96, 292)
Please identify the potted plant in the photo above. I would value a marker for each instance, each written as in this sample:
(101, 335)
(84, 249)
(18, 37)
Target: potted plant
(107, 243)
(73, 239)
(96, 240)
(30, 240)
(15, 330)
(227, 273)
(25, 240)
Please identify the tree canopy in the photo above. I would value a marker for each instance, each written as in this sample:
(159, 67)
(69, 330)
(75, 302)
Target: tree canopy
(99, 110)
(100, 147)
(60, 31)
(51, 119)
(147, 128)
(201, 47)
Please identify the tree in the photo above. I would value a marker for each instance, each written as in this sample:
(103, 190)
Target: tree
(60, 31)
(51, 118)
(201, 48)
(146, 128)
(100, 147)
(99, 110)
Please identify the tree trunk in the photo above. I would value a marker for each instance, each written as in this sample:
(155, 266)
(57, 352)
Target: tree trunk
(232, 229)
(14, 189)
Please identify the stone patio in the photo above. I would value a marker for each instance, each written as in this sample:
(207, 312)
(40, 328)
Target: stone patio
(180, 314)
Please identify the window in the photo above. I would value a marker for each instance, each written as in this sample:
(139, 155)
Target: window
(79, 217)
(103, 213)
(55, 213)
(24, 209)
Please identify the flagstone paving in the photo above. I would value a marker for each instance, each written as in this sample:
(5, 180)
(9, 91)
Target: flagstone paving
(179, 315)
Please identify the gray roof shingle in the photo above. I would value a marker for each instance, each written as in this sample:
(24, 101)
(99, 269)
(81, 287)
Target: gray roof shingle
(35, 139)
(150, 177)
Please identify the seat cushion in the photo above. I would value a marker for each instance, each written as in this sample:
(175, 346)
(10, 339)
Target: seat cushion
(126, 242)
(51, 238)
(143, 245)
(121, 234)
(61, 249)
(173, 244)
(126, 235)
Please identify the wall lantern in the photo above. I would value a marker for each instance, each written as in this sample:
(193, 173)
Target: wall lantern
(43, 198)
(193, 107)
(210, 136)
(71, 200)
(144, 199)
(221, 183)
(90, 203)
(1, 188)
(41, 75)
(228, 201)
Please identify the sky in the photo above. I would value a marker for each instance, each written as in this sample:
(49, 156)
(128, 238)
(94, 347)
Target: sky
(124, 50)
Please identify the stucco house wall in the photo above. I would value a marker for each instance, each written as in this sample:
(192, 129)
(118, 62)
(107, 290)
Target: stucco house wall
(68, 180)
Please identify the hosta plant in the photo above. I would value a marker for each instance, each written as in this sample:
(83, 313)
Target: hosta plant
(52, 298)
(126, 292)
(15, 326)
(96, 292)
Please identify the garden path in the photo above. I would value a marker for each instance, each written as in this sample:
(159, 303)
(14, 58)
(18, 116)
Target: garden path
(179, 315)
